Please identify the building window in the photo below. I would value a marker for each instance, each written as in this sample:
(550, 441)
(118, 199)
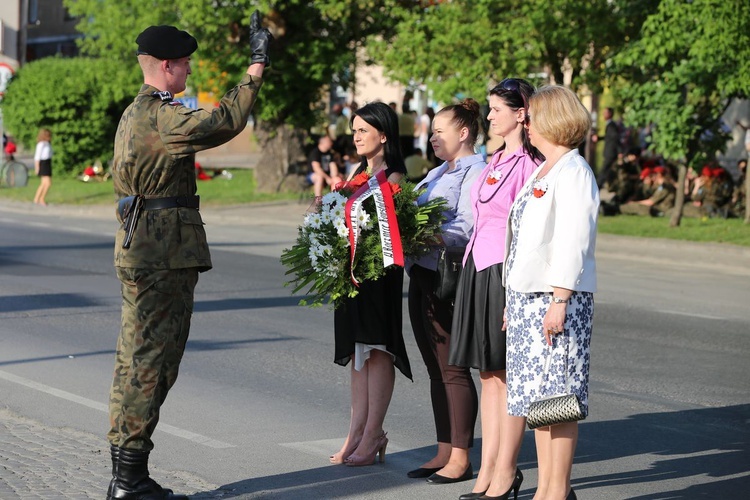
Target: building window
(33, 11)
(67, 16)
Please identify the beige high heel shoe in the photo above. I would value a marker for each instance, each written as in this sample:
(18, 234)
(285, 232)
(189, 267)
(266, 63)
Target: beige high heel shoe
(379, 452)
(340, 457)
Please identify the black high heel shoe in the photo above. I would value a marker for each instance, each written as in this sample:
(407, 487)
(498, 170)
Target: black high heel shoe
(472, 496)
(571, 495)
(422, 472)
(513, 488)
(438, 479)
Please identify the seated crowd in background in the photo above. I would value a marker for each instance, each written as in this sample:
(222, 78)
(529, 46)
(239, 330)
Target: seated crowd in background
(636, 187)
(636, 184)
(417, 165)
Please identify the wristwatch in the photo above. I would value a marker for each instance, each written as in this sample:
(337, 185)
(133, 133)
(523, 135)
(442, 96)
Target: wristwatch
(558, 300)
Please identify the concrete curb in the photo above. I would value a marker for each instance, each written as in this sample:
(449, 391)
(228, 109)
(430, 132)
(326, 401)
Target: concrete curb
(720, 256)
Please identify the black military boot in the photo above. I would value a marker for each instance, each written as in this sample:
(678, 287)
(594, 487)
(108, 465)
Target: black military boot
(114, 451)
(132, 481)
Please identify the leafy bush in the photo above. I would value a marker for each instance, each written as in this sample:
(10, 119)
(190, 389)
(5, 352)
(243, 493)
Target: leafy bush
(79, 99)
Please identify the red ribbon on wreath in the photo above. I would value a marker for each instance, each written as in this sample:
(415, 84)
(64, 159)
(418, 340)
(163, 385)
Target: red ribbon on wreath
(390, 238)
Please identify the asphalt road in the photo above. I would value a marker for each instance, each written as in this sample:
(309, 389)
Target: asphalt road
(259, 404)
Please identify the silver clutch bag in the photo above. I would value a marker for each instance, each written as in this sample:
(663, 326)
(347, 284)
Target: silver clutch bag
(554, 410)
(558, 409)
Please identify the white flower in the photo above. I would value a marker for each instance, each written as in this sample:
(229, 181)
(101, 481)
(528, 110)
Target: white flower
(325, 216)
(337, 212)
(341, 228)
(333, 198)
(313, 220)
(333, 269)
(363, 220)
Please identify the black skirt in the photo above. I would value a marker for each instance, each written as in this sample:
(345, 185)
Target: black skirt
(373, 316)
(478, 339)
(45, 168)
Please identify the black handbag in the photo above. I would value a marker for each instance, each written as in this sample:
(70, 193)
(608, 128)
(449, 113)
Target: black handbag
(450, 263)
(554, 410)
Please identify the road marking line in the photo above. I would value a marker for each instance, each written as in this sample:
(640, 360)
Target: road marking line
(690, 314)
(70, 229)
(169, 429)
(666, 311)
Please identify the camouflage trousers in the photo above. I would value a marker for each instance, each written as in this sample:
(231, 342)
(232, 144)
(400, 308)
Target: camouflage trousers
(157, 305)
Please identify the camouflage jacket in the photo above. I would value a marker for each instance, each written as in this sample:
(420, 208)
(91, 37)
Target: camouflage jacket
(155, 150)
(664, 197)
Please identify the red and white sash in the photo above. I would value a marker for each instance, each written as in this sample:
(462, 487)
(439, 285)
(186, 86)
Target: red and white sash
(390, 238)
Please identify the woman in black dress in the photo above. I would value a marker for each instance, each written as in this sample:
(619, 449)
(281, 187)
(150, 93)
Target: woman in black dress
(43, 165)
(368, 327)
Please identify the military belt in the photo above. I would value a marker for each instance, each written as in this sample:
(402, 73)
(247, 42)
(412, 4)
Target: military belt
(130, 207)
(184, 201)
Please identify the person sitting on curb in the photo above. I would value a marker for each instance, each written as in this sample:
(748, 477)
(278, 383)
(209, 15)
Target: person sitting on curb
(740, 190)
(322, 169)
(660, 201)
(417, 166)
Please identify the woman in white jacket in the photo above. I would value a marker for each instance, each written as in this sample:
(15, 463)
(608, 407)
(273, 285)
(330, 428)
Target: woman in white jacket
(550, 277)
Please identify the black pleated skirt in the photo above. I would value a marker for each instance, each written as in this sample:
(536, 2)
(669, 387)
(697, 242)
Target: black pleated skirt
(478, 340)
(374, 316)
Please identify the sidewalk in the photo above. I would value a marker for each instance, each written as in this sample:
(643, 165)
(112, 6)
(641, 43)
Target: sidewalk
(286, 213)
(40, 462)
(289, 214)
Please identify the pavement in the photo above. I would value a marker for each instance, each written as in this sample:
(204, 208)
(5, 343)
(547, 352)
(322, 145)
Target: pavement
(42, 462)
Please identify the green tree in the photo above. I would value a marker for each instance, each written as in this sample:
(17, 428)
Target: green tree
(460, 47)
(315, 42)
(80, 100)
(690, 60)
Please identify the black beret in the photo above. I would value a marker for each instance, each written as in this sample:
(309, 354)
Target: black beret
(165, 42)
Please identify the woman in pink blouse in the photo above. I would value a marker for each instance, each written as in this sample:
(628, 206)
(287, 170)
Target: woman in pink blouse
(478, 338)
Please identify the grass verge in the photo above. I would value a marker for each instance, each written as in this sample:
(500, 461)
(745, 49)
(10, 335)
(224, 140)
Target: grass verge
(733, 231)
(219, 191)
(241, 189)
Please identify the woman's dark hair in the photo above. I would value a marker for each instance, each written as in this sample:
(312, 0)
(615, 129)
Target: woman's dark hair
(465, 114)
(515, 93)
(385, 120)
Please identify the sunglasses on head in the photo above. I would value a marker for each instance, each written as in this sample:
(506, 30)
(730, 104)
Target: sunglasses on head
(513, 85)
(510, 84)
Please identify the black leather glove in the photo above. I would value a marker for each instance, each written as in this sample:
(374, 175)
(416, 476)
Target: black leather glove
(260, 39)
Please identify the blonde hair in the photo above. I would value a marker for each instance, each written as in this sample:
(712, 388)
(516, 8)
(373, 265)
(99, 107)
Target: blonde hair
(44, 135)
(559, 116)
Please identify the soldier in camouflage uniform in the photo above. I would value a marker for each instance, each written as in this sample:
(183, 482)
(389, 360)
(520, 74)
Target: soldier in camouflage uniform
(161, 247)
(740, 191)
(661, 200)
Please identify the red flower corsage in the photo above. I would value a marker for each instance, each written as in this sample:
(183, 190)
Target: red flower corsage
(494, 177)
(539, 188)
(358, 181)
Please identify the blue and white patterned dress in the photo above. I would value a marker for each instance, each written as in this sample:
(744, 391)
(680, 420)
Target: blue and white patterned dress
(526, 346)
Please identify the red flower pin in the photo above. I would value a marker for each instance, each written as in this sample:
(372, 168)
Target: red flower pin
(539, 188)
